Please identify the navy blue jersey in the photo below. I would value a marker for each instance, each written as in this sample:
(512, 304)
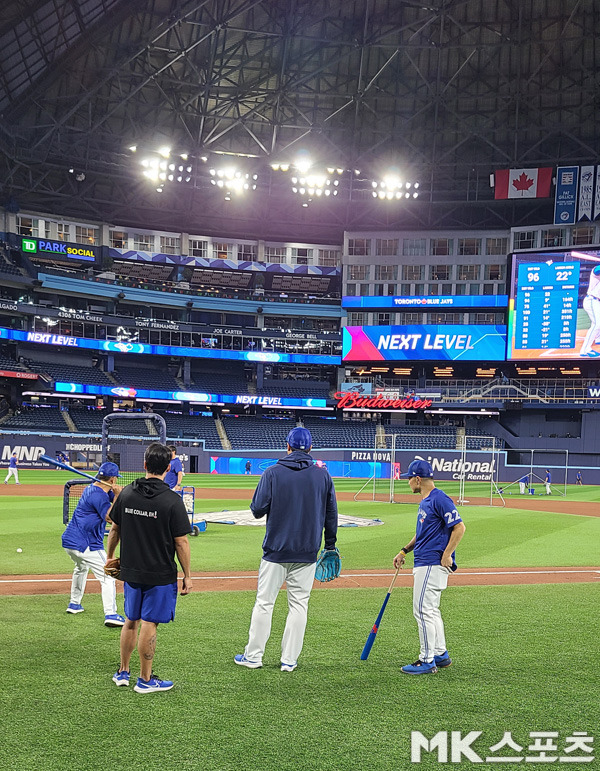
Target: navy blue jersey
(88, 523)
(174, 468)
(548, 477)
(435, 520)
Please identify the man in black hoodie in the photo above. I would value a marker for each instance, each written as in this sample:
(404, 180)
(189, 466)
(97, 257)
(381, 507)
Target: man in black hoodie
(151, 522)
(298, 499)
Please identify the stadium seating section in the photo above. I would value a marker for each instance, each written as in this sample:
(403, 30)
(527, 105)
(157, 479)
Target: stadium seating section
(347, 433)
(300, 389)
(71, 374)
(37, 419)
(143, 377)
(247, 433)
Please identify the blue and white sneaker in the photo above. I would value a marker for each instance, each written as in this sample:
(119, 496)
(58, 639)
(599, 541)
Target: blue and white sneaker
(288, 667)
(241, 659)
(153, 685)
(114, 619)
(420, 668)
(442, 661)
(75, 607)
(121, 677)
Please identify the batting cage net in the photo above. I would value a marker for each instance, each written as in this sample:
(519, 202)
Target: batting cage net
(125, 437)
(71, 495)
(465, 466)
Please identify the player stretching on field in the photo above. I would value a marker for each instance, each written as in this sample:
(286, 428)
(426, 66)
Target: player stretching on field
(152, 524)
(12, 469)
(579, 479)
(439, 531)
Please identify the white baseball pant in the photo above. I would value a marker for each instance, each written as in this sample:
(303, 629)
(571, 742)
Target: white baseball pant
(12, 472)
(299, 577)
(548, 488)
(94, 561)
(522, 488)
(429, 583)
(591, 305)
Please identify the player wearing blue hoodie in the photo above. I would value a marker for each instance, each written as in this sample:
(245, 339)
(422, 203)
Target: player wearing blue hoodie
(298, 499)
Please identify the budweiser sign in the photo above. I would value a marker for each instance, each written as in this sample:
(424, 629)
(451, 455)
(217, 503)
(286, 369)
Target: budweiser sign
(348, 401)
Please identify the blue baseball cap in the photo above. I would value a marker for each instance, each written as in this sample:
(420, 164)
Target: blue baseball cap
(108, 469)
(299, 439)
(419, 468)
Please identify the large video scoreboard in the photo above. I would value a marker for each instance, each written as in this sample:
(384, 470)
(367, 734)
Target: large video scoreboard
(554, 304)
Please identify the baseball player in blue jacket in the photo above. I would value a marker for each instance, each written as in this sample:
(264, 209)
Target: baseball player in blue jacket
(298, 499)
(439, 531)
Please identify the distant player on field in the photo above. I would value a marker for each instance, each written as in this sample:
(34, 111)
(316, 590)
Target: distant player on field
(13, 471)
(175, 472)
(548, 482)
(247, 467)
(579, 479)
(439, 531)
(524, 484)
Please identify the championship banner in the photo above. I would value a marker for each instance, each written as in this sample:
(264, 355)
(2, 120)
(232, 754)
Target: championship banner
(565, 201)
(597, 194)
(586, 193)
(447, 342)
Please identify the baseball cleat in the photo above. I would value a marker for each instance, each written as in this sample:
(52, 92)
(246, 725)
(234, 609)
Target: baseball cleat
(74, 607)
(420, 668)
(241, 659)
(114, 619)
(153, 685)
(442, 661)
(121, 677)
(288, 667)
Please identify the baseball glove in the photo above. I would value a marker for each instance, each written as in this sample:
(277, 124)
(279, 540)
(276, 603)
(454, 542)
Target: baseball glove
(112, 568)
(329, 565)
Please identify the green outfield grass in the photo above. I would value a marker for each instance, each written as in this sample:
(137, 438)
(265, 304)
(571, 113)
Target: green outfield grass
(496, 537)
(242, 482)
(523, 661)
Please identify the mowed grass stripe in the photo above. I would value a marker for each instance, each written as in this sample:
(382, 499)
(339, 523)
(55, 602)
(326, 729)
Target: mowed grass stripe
(495, 537)
(518, 667)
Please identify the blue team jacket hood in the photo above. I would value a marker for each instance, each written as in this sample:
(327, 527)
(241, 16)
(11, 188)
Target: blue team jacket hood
(296, 460)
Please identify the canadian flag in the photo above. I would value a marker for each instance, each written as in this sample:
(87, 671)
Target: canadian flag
(522, 183)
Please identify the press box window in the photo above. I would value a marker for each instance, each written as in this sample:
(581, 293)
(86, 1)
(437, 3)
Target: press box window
(469, 246)
(359, 246)
(386, 247)
(86, 235)
(118, 239)
(143, 242)
(170, 245)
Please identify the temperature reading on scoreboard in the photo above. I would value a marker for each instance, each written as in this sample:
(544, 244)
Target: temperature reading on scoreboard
(545, 305)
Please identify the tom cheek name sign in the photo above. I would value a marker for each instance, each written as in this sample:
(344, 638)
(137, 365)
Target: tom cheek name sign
(356, 401)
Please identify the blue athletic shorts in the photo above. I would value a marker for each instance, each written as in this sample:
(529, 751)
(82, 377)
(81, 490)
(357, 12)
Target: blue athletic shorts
(150, 603)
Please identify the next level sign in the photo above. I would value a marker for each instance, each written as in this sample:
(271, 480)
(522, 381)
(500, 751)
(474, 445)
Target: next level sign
(60, 249)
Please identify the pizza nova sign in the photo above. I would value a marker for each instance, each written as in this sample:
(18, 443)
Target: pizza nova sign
(354, 401)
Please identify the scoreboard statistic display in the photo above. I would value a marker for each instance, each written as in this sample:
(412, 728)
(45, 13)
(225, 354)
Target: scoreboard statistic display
(552, 307)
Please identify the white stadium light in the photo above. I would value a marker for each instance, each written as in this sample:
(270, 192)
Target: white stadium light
(165, 151)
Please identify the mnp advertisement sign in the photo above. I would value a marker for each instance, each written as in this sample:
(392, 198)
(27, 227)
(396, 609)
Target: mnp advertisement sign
(448, 342)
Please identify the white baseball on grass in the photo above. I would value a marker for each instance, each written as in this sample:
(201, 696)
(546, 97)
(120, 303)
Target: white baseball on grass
(19, 551)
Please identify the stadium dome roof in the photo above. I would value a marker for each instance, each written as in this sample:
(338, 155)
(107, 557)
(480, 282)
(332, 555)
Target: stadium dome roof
(445, 91)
